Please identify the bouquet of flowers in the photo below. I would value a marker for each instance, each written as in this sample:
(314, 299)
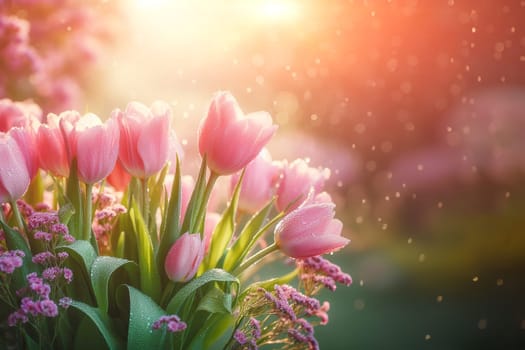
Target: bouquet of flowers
(104, 242)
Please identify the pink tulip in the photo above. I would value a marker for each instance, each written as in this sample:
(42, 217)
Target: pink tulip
(258, 184)
(310, 230)
(14, 176)
(144, 137)
(298, 181)
(53, 156)
(119, 178)
(18, 114)
(211, 221)
(26, 139)
(96, 147)
(230, 139)
(184, 257)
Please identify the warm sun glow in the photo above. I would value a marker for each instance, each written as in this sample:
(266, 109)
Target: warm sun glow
(278, 9)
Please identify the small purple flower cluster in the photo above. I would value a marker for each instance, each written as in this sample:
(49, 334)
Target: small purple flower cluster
(10, 260)
(172, 322)
(45, 226)
(106, 215)
(248, 336)
(317, 272)
(36, 301)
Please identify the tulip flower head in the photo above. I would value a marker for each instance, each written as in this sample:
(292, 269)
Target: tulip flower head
(259, 182)
(96, 147)
(230, 139)
(310, 230)
(299, 180)
(144, 137)
(14, 176)
(184, 257)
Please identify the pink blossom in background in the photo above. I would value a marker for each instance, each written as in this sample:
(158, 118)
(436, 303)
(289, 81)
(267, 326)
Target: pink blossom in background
(299, 180)
(20, 114)
(14, 176)
(184, 257)
(229, 138)
(259, 182)
(309, 231)
(96, 147)
(119, 178)
(144, 137)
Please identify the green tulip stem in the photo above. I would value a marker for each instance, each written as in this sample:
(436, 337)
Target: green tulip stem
(88, 209)
(255, 258)
(18, 217)
(206, 196)
(145, 201)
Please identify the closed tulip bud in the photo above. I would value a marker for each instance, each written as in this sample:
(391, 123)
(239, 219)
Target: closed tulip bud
(230, 139)
(310, 230)
(14, 176)
(144, 137)
(96, 147)
(18, 114)
(299, 180)
(184, 257)
(258, 184)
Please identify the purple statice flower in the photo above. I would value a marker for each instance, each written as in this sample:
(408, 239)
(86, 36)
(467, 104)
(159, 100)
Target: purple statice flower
(65, 302)
(43, 258)
(68, 274)
(172, 322)
(37, 285)
(317, 272)
(48, 308)
(39, 220)
(59, 229)
(17, 317)
(299, 337)
(51, 273)
(256, 328)
(240, 337)
(10, 260)
(43, 236)
(281, 305)
(25, 209)
(30, 307)
(62, 256)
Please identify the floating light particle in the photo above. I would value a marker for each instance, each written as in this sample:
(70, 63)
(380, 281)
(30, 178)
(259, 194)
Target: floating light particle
(482, 324)
(439, 298)
(427, 336)
(384, 227)
(361, 283)
(421, 258)
(398, 195)
(507, 194)
(499, 282)
(475, 279)
(440, 205)
(409, 241)
(359, 220)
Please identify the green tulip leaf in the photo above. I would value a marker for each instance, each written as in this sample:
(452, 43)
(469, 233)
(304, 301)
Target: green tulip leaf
(223, 232)
(83, 255)
(215, 334)
(143, 311)
(102, 271)
(214, 275)
(101, 322)
(215, 301)
(149, 276)
(171, 230)
(248, 236)
(192, 211)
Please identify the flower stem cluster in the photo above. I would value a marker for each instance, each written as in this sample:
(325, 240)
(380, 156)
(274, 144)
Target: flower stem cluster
(316, 273)
(284, 316)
